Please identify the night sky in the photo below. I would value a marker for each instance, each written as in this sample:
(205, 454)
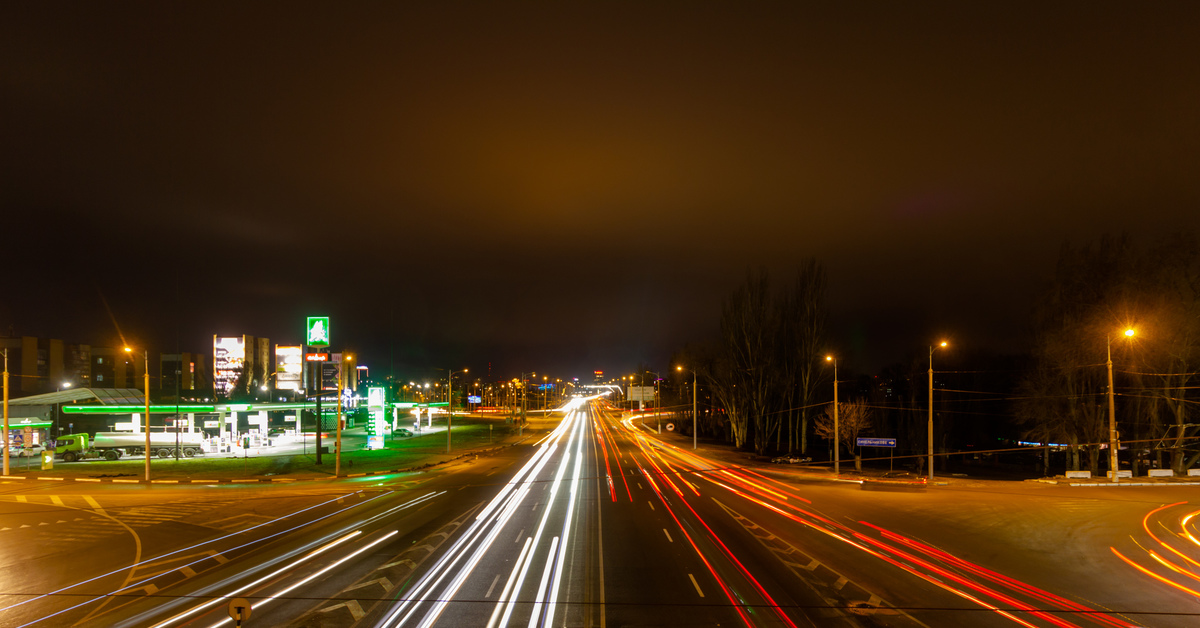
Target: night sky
(565, 187)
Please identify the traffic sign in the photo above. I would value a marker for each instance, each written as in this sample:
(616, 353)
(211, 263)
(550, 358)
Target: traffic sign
(239, 610)
(876, 442)
(670, 427)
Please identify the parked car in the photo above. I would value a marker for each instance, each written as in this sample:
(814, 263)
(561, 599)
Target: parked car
(31, 451)
(791, 459)
(401, 432)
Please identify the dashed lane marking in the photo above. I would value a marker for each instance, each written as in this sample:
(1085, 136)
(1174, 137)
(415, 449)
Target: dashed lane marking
(696, 584)
(494, 581)
(842, 595)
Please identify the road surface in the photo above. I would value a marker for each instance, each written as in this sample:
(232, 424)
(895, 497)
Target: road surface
(595, 521)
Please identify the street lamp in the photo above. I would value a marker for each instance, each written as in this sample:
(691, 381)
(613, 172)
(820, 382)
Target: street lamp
(837, 453)
(524, 396)
(694, 432)
(450, 402)
(941, 345)
(4, 436)
(658, 405)
(1112, 411)
(146, 421)
(58, 409)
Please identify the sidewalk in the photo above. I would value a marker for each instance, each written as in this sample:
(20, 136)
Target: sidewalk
(727, 454)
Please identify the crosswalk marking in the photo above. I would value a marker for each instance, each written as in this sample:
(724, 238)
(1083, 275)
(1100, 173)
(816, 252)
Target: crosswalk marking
(94, 504)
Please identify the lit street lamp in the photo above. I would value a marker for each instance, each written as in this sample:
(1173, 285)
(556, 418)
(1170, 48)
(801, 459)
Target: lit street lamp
(4, 436)
(931, 348)
(694, 432)
(837, 454)
(146, 420)
(58, 409)
(1112, 411)
(450, 401)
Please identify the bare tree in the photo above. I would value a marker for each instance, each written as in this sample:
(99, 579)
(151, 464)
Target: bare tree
(802, 319)
(854, 419)
(1168, 299)
(749, 326)
(1071, 322)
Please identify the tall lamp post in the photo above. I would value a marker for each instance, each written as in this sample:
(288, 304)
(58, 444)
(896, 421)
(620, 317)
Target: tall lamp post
(837, 453)
(146, 420)
(658, 409)
(4, 437)
(524, 396)
(1112, 412)
(58, 408)
(941, 345)
(450, 403)
(694, 432)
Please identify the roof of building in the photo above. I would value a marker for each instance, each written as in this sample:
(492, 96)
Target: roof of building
(106, 396)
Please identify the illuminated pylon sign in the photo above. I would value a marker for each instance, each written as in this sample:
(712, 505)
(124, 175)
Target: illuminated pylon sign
(318, 331)
(377, 424)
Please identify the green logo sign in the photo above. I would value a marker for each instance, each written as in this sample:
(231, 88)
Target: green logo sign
(318, 331)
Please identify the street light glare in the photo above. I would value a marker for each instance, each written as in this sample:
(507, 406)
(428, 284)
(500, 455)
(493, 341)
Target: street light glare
(1129, 332)
(944, 343)
(829, 358)
(128, 350)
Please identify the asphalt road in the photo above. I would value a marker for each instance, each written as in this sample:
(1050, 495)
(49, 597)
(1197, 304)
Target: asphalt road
(598, 522)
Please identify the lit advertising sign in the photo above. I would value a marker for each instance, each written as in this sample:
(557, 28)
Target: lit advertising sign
(229, 357)
(316, 357)
(288, 367)
(375, 398)
(317, 331)
(474, 399)
(331, 372)
(377, 424)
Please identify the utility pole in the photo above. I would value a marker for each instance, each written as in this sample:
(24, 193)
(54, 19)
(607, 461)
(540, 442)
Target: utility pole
(5, 435)
(931, 348)
(931, 414)
(337, 445)
(1113, 443)
(837, 454)
(449, 405)
(178, 374)
(146, 355)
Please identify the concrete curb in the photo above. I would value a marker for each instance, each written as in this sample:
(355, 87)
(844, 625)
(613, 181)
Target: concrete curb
(1120, 484)
(268, 480)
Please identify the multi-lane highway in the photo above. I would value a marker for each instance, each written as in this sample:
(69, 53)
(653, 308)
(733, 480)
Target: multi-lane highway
(596, 521)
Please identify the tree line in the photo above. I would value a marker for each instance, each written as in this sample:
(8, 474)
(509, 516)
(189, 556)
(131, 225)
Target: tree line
(766, 384)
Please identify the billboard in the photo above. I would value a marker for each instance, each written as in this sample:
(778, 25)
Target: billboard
(289, 367)
(316, 331)
(229, 358)
(641, 393)
(330, 371)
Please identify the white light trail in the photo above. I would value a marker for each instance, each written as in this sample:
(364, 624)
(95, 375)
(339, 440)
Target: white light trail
(277, 572)
(562, 553)
(536, 615)
(315, 575)
(508, 586)
(479, 537)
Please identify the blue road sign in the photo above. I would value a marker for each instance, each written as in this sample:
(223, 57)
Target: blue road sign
(876, 442)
